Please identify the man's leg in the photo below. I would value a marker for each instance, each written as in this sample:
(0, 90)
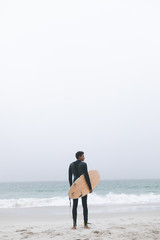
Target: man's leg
(85, 209)
(74, 211)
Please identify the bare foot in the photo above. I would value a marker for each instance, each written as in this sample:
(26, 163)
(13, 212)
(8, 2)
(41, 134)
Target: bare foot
(74, 227)
(86, 226)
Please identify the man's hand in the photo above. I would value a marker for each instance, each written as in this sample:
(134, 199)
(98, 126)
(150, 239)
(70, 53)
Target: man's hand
(90, 190)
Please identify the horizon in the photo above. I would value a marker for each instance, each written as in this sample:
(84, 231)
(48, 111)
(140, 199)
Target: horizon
(129, 179)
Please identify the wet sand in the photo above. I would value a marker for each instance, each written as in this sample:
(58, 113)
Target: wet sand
(56, 222)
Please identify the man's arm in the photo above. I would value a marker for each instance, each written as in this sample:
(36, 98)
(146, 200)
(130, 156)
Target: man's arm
(70, 175)
(87, 177)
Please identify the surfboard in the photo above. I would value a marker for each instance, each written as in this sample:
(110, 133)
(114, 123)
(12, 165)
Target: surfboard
(80, 187)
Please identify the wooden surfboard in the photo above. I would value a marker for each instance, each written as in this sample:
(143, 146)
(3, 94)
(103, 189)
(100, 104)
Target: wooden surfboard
(80, 187)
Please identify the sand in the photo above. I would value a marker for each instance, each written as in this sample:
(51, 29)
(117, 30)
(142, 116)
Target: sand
(56, 222)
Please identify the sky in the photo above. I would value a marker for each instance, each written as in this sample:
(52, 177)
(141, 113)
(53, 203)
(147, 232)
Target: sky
(79, 76)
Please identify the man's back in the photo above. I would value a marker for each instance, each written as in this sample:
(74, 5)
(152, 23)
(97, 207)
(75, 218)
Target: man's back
(77, 168)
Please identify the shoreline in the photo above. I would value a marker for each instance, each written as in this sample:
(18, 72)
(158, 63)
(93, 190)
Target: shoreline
(58, 210)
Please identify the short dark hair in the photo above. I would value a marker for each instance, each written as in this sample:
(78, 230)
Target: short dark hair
(79, 154)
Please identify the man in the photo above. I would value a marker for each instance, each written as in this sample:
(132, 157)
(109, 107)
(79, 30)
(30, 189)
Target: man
(77, 168)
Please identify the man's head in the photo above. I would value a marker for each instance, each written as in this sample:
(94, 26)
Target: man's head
(80, 156)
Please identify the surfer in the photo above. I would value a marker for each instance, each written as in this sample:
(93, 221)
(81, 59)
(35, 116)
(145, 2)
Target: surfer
(77, 168)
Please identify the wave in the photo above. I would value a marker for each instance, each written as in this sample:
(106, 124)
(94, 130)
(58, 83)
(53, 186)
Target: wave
(93, 199)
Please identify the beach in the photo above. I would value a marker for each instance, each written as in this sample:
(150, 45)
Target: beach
(117, 210)
(56, 222)
(79, 100)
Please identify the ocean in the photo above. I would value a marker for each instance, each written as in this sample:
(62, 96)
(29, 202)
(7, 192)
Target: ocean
(55, 193)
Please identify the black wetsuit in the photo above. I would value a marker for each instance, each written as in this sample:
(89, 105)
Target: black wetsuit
(77, 168)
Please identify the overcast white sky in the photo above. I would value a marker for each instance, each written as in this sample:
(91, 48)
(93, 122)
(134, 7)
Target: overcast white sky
(79, 75)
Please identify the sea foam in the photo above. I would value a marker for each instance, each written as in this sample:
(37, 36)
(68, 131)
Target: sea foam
(93, 199)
